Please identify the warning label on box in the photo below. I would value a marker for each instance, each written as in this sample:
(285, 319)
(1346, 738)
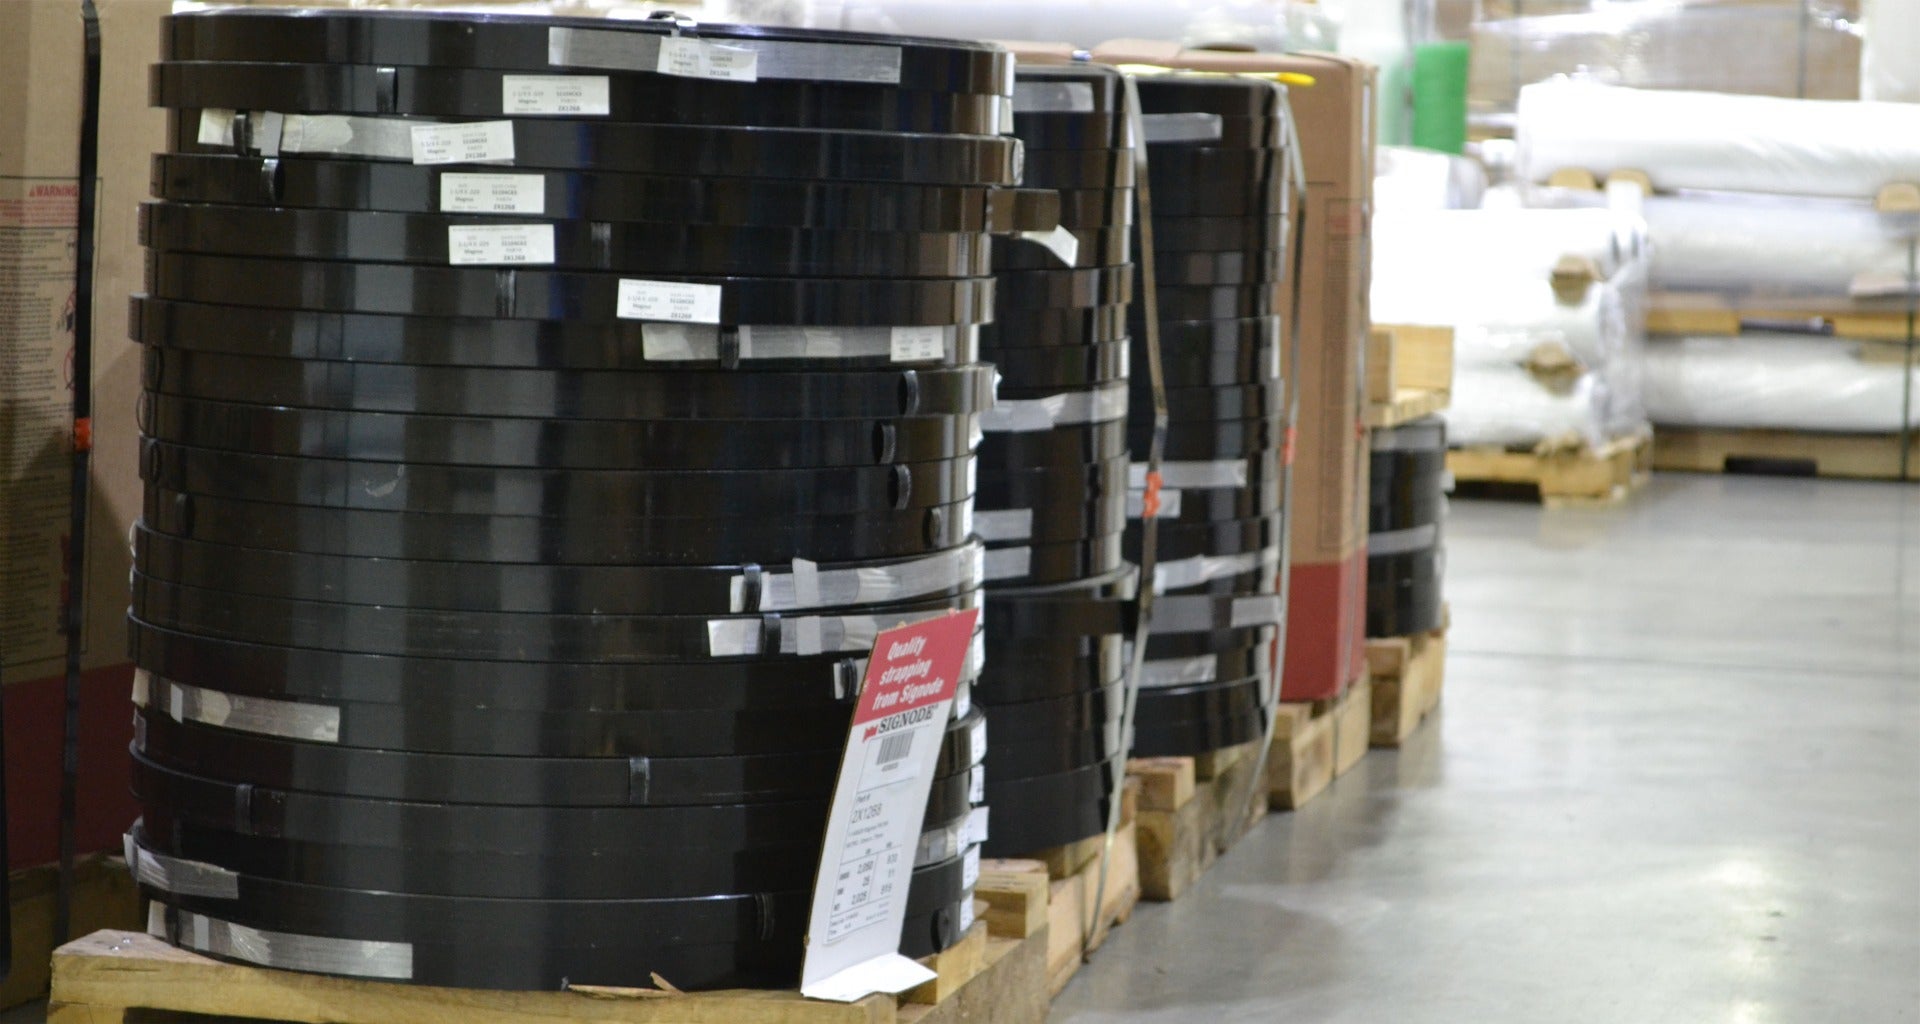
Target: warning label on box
(37, 243)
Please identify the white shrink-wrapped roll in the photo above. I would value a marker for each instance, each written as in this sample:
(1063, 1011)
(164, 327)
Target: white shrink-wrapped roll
(1775, 381)
(1408, 180)
(1465, 245)
(1771, 247)
(1506, 406)
(1503, 320)
(1890, 63)
(1700, 140)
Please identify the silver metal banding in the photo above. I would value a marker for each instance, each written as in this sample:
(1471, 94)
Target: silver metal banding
(1194, 126)
(172, 874)
(1399, 542)
(1053, 98)
(1198, 569)
(727, 638)
(1169, 503)
(963, 567)
(1099, 405)
(1008, 563)
(613, 50)
(359, 958)
(1003, 524)
(316, 723)
(1197, 476)
(1161, 673)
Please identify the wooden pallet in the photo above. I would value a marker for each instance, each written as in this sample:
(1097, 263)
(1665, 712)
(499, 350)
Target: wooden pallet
(1024, 897)
(1407, 673)
(1192, 810)
(1564, 475)
(99, 979)
(1409, 373)
(1884, 334)
(104, 896)
(1315, 742)
(1785, 452)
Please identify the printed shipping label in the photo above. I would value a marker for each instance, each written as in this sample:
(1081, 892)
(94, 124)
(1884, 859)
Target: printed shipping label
(697, 58)
(671, 301)
(496, 244)
(585, 95)
(879, 804)
(478, 142)
(493, 193)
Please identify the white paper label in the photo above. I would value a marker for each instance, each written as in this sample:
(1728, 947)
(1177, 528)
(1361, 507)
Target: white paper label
(697, 58)
(969, 871)
(670, 301)
(493, 193)
(918, 344)
(977, 784)
(879, 804)
(554, 94)
(216, 128)
(499, 244)
(478, 142)
(966, 915)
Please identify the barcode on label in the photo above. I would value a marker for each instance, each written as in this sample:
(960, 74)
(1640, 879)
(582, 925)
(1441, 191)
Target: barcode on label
(895, 747)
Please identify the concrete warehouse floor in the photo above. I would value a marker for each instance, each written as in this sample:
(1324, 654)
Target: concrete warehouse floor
(1675, 778)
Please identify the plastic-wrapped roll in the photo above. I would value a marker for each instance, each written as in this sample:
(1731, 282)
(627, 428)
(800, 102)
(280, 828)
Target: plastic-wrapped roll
(1505, 320)
(1470, 245)
(1789, 249)
(1506, 405)
(1700, 140)
(1779, 381)
(1253, 24)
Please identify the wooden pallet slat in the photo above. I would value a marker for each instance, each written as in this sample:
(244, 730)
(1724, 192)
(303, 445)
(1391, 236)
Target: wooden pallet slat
(1852, 456)
(1564, 475)
(98, 979)
(1192, 810)
(1407, 674)
(1409, 373)
(1300, 764)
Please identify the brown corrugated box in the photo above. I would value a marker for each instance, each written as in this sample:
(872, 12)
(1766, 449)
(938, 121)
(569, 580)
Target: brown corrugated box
(1325, 646)
(41, 66)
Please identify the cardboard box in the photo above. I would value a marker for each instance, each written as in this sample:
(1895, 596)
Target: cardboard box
(41, 70)
(1325, 648)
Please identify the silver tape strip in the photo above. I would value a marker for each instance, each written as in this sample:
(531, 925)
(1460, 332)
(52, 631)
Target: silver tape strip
(1161, 673)
(1052, 98)
(1099, 405)
(1008, 563)
(186, 877)
(1199, 476)
(377, 138)
(1003, 524)
(1193, 126)
(1411, 437)
(836, 588)
(1198, 569)
(358, 958)
(777, 58)
(663, 342)
(1264, 610)
(1169, 503)
(728, 638)
(976, 827)
(316, 723)
(1399, 542)
(1197, 613)
(940, 844)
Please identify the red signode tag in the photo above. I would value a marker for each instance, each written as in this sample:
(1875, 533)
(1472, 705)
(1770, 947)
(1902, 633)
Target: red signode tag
(915, 665)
